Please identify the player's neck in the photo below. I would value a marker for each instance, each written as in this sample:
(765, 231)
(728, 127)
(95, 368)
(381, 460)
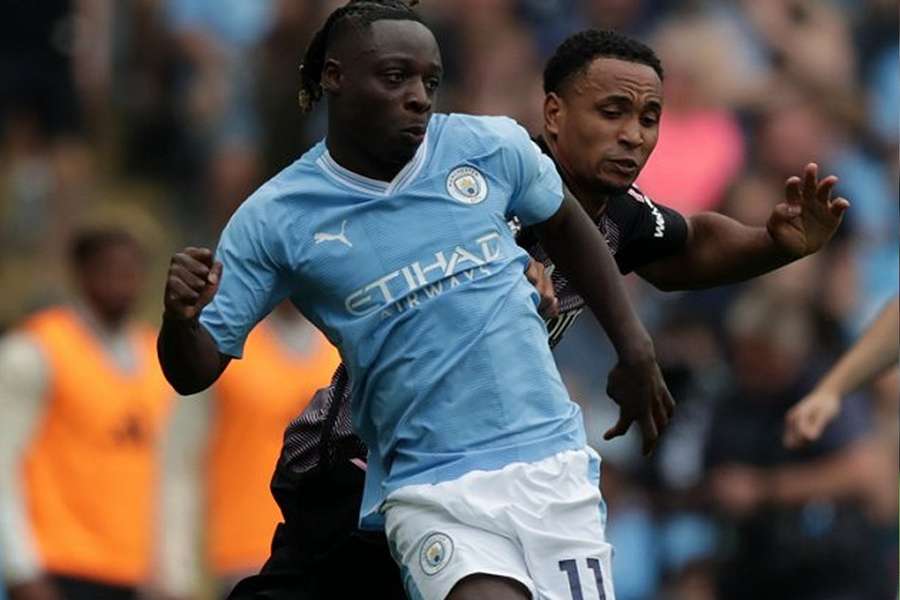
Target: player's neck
(352, 157)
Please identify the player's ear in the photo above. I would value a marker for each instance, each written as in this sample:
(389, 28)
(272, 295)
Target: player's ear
(553, 113)
(332, 76)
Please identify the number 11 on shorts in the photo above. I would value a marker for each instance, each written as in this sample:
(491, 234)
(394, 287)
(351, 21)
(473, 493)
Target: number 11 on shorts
(570, 568)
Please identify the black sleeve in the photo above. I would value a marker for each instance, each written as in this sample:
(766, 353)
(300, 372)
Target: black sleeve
(646, 231)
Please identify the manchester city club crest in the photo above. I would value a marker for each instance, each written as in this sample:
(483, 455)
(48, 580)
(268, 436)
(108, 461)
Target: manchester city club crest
(437, 550)
(467, 185)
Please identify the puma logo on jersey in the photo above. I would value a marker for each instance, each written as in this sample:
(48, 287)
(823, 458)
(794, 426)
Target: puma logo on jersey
(324, 236)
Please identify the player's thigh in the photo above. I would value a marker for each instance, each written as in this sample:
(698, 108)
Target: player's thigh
(488, 587)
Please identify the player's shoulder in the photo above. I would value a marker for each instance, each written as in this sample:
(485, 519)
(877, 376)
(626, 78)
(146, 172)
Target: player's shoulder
(488, 132)
(636, 194)
(287, 192)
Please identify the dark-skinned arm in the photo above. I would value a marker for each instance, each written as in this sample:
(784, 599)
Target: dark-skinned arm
(720, 250)
(189, 357)
(577, 248)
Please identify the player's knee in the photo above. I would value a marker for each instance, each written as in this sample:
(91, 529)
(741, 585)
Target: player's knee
(488, 587)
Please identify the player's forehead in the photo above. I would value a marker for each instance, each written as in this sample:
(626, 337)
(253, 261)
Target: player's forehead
(605, 77)
(397, 40)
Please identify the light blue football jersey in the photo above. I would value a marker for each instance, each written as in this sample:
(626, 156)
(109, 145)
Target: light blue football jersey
(420, 285)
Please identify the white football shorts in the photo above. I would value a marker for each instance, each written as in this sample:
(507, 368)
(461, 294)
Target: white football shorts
(541, 524)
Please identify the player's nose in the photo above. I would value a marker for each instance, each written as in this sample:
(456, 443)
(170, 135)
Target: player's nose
(631, 134)
(417, 98)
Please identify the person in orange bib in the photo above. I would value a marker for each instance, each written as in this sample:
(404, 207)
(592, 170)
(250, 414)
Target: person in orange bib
(286, 360)
(84, 407)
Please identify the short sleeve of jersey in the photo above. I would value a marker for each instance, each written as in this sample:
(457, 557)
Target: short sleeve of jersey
(537, 191)
(648, 231)
(252, 281)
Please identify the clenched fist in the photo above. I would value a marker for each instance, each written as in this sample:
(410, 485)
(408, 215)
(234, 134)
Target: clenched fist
(192, 282)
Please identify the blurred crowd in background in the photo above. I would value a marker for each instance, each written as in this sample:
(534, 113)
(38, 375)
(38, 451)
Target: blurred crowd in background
(161, 116)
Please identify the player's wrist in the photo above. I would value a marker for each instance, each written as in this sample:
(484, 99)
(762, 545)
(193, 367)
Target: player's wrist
(779, 252)
(637, 351)
(173, 318)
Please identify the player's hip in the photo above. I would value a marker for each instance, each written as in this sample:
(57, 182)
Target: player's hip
(539, 523)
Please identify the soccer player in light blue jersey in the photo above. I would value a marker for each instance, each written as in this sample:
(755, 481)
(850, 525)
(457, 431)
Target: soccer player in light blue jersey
(391, 236)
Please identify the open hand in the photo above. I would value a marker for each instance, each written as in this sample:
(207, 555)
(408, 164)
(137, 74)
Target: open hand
(641, 393)
(809, 216)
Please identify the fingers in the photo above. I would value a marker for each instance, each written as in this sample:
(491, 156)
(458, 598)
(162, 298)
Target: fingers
(825, 188)
(539, 277)
(620, 428)
(803, 425)
(792, 191)
(191, 283)
(201, 255)
(668, 403)
(534, 272)
(796, 432)
(215, 274)
(212, 286)
(810, 180)
(181, 293)
(194, 281)
(788, 211)
(549, 307)
(194, 265)
(650, 433)
(838, 207)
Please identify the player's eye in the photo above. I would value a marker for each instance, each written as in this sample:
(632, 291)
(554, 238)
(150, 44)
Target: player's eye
(649, 120)
(393, 77)
(610, 113)
(432, 84)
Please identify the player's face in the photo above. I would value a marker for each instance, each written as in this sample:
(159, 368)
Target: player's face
(111, 281)
(606, 122)
(392, 83)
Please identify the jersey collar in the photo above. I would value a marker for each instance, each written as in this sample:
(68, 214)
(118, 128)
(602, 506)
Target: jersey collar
(367, 185)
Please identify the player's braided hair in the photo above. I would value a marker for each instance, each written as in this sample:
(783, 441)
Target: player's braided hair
(576, 53)
(363, 13)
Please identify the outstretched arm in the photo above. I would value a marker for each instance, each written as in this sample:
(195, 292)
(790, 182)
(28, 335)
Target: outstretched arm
(720, 250)
(189, 357)
(577, 248)
(875, 351)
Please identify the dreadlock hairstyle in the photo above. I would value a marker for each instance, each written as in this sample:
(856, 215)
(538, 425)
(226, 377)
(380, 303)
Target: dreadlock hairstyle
(362, 13)
(577, 52)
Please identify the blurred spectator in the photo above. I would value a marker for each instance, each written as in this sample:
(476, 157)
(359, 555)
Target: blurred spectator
(287, 131)
(286, 360)
(178, 107)
(84, 408)
(500, 69)
(876, 351)
(797, 523)
(701, 146)
(217, 43)
(41, 120)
